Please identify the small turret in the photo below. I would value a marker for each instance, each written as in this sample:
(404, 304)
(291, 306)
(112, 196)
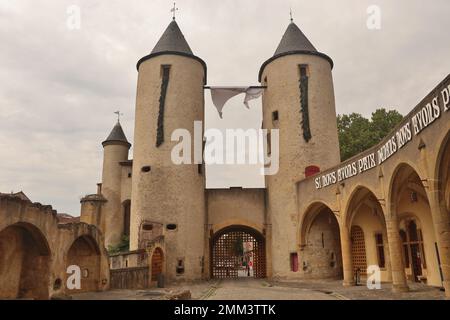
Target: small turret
(115, 150)
(117, 137)
(91, 209)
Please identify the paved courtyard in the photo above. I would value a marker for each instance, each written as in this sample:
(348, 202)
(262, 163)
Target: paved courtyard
(261, 289)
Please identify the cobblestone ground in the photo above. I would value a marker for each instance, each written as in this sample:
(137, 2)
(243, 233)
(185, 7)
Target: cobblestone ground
(417, 291)
(251, 289)
(260, 289)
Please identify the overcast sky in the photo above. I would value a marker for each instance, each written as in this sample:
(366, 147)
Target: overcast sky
(60, 87)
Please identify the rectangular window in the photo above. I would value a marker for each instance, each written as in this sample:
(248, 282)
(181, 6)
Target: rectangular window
(274, 116)
(405, 248)
(424, 262)
(294, 261)
(165, 69)
(380, 250)
(303, 70)
(406, 255)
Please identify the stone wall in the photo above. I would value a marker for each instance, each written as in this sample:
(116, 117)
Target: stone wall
(130, 278)
(34, 252)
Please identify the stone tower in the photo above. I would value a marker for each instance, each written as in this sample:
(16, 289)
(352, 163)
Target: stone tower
(115, 150)
(168, 198)
(299, 101)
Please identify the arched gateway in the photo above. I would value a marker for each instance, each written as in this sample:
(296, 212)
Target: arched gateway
(24, 262)
(238, 252)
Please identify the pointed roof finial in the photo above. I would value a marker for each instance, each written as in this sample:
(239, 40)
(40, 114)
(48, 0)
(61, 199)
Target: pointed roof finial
(290, 13)
(174, 10)
(118, 115)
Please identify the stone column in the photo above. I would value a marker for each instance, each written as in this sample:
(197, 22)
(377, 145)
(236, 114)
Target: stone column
(207, 275)
(268, 236)
(441, 221)
(399, 283)
(387, 256)
(347, 264)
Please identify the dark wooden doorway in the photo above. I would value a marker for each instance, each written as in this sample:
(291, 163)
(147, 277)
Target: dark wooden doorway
(414, 255)
(157, 263)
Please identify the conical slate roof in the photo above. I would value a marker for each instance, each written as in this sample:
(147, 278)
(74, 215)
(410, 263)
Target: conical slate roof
(116, 136)
(172, 40)
(294, 40)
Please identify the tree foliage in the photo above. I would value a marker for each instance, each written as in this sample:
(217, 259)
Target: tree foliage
(357, 133)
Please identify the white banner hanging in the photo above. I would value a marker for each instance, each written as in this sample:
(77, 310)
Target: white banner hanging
(220, 95)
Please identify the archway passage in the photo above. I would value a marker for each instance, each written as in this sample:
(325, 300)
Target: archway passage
(443, 178)
(411, 205)
(238, 252)
(442, 224)
(24, 263)
(322, 257)
(413, 249)
(157, 263)
(368, 234)
(85, 253)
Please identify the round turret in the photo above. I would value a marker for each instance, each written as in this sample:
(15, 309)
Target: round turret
(168, 199)
(299, 101)
(115, 150)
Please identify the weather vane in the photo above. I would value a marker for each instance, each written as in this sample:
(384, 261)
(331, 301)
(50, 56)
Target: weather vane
(118, 115)
(290, 12)
(174, 10)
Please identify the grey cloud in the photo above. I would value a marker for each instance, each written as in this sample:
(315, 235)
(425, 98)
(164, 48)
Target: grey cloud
(60, 88)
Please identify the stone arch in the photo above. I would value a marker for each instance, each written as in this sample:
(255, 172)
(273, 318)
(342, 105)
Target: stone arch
(365, 219)
(358, 196)
(238, 251)
(442, 176)
(320, 243)
(24, 262)
(442, 223)
(238, 222)
(85, 253)
(126, 209)
(307, 218)
(408, 199)
(400, 173)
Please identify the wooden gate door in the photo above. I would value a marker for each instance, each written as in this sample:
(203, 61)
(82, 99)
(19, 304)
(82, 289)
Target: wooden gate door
(236, 252)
